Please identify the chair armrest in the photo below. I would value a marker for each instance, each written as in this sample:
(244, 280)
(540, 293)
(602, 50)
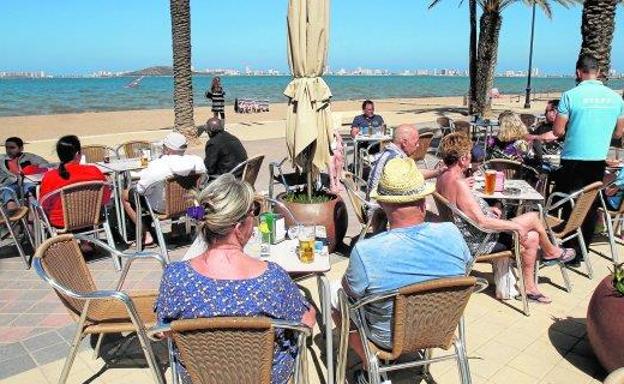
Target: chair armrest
(292, 325)
(155, 332)
(481, 284)
(566, 198)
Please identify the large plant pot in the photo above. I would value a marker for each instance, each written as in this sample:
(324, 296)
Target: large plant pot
(331, 214)
(604, 325)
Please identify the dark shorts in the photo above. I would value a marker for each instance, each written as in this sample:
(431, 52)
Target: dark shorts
(503, 243)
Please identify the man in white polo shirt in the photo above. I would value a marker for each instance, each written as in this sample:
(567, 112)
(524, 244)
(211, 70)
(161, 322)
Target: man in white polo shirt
(589, 116)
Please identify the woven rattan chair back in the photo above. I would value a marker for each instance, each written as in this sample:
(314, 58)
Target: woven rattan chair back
(63, 261)
(423, 146)
(180, 194)
(95, 153)
(444, 211)
(582, 205)
(225, 350)
(132, 149)
(252, 168)
(528, 119)
(462, 126)
(82, 205)
(349, 184)
(510, 168)
(426, 315)
(443, 122)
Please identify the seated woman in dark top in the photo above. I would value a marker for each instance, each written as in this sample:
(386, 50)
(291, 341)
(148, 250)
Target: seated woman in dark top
(224, 281)
(223, 150)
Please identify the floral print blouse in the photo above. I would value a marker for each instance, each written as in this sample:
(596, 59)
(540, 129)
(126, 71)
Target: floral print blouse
(186, 294)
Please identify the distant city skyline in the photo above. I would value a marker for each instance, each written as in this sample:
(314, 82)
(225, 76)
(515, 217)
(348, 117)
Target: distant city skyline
(78, 37)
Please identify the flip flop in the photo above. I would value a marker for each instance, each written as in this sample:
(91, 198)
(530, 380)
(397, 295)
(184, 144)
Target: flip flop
(535, 298)
(566, 255)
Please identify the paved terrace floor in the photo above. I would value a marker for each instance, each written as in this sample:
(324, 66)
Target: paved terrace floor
(504, 346)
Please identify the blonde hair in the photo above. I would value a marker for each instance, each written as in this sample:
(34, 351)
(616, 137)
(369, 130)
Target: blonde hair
(454, 146)
(226, 202)
(511, 128)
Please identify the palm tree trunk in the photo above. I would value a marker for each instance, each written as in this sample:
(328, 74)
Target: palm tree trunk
(597, 28)
(473, 56)
(182, 72)
(489, 31)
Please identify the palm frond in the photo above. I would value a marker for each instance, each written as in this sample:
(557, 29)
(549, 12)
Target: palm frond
(433, 3)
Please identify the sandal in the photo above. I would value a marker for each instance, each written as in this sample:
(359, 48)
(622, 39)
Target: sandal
(566, 255)
(535, 298)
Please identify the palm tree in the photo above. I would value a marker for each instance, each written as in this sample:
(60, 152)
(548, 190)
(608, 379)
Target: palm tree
(597, 28)
(182, 72)
(487, 50)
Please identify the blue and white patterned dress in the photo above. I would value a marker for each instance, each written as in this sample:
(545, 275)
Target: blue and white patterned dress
(186, 294)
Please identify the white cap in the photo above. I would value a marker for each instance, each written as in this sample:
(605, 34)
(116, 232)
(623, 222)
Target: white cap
(175, 141)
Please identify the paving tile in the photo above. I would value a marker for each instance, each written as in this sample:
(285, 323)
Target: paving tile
(16, 365)
(28, 319)
(42, 341)
(48, 307)
(51, 353)
(11, 350)
(533, 366)
(588, 365)
(17, 306)
(561, 341)
(12, 334)
(56, 320)
(562, 375)
(495, 350)
(30, 376)
(67, 332)
(510, 375)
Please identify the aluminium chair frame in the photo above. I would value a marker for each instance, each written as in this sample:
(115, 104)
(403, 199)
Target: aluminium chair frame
(444, 130)
(47, 227)
(245, 169)
(364, 209)
(95, 147)
(11, 223)
(353, 311)
(89, 297)
(302, 331)
(574, 233)
(613, 221)
(123, 147)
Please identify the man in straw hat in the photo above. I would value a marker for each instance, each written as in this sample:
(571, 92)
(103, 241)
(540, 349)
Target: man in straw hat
(411, 251)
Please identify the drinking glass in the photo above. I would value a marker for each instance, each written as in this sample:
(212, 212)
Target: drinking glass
(306, 237)
(490, 182)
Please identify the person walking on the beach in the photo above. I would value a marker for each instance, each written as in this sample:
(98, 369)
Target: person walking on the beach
(589, 115)
(217, 95)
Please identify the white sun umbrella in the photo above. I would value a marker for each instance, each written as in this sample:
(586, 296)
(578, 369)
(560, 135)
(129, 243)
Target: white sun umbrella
(308, 120)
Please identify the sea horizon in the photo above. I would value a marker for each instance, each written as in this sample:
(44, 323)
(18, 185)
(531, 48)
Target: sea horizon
(23, 97)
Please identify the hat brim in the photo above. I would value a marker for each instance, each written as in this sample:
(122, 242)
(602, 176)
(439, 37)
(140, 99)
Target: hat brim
(401, 199)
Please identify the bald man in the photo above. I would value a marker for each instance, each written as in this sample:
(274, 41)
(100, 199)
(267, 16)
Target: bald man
(404, 144)
(224, 151)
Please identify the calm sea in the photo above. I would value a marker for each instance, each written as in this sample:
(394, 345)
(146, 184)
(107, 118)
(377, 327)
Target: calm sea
(48, 96)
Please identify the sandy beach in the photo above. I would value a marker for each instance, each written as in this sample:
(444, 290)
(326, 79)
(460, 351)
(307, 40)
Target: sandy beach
(113, 128)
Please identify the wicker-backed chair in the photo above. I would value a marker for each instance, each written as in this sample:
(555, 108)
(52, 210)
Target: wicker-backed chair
(249, 169)
(60, 263)
(364, 210)
(82, 212)
(517, 170)
(179, 195)
(463, 126)
(232, 349)
(449, 212)
(96, 153)
(613, 220)
(425, 316)
(446, 126)
(11, 219)
(132, 149)
(423, 147)
(528, 119)
(560, 230)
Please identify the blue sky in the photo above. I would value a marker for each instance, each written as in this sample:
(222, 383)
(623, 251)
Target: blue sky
(77, 36)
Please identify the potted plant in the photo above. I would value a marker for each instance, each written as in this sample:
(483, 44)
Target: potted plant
(317, 206)
(605, 329)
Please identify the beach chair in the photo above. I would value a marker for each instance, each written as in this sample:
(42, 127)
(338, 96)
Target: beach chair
(425, 316)
(12, 220)
(133, 149)
(82, 205)
(96, 153)
(232, 349)
(561, 230)
(249, 169)
(60, 263)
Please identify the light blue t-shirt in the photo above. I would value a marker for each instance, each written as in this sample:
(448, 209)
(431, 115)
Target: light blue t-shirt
(402, 257)
(592, 110)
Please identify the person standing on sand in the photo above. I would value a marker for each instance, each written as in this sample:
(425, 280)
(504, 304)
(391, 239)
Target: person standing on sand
(217, 95)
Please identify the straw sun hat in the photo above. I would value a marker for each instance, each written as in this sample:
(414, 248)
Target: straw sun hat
(401, 182)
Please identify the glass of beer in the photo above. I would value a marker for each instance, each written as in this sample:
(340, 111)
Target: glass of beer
(306, 238)
(490, 182)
